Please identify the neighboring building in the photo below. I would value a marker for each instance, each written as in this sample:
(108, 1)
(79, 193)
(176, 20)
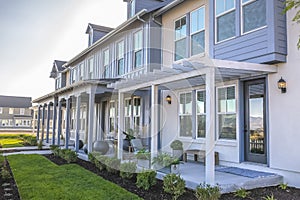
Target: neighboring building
(15, 113)
(218, 61)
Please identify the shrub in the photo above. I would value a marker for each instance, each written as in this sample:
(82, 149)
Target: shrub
(112, 164)
(55, 150)
(283, 186)
(143, 154)
(91, 158)
(69, 155)
(127, 170)
(269, 197)
(146, 179)
(174, 185)
(208, 192)
(100, 161)
(40, 145)
(242, 193)
(29, 140)
(176, 145)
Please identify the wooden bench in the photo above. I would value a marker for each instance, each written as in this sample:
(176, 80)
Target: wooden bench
(199, 154)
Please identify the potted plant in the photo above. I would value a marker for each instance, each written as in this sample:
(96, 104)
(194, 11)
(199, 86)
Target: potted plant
(128, 138)
(175, 166)
(143, 158)
(177, 149)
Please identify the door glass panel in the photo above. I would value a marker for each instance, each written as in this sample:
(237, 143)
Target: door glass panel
(256, 120)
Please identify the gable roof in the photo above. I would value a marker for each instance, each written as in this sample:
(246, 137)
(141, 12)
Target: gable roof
(15, 102)
(57, 67)
(99, 28)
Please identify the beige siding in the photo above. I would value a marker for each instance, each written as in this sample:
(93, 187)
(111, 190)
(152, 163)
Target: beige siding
(168, 20)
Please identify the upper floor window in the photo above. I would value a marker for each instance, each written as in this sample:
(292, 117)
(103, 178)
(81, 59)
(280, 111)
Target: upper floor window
(91, 68)
(120, 58)
(132, 8)
(225, 19)
(137, 47)
(226, 112)
(201, 113)
(253, 14)
(81, 71)
(11, 111)
(73, 75)
(58, 82)
(185, 115)
(22, 111)
(180, 38)
(1, 110)
(197, 31)
(106, 63)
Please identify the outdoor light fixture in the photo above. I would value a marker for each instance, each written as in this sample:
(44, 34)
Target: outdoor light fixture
(282, 85)
(169, 99)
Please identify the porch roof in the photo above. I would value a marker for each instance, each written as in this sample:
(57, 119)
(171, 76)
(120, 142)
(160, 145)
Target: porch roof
(187, 73)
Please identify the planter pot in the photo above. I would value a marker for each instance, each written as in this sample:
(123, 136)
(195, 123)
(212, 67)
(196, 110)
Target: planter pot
(177, 154)
(101, 146)
(143, 163)
(175, 169)
(126, 145)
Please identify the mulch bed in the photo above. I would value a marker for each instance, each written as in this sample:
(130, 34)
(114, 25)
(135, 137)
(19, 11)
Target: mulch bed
(8, 188)
(155, 192)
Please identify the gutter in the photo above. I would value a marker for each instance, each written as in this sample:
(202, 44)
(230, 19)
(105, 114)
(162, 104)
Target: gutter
(167, 7)
(107, 36)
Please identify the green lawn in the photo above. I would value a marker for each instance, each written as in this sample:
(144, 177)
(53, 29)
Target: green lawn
(11, 142)
(39, 178)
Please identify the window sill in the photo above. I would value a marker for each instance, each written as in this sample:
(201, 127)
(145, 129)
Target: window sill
(224, 142)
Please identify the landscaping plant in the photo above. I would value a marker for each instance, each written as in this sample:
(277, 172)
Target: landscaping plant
(40, 145)
(55, 150)
(127, 170)
(69, 155)
(174, 185)
(100, 161)
(283, 186)
(112, 164)
(146, 179)
(208, 192)
(241, 193)
(269, 197)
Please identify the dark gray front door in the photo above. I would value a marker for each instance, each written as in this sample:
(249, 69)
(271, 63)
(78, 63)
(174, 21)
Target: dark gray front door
(255, 121)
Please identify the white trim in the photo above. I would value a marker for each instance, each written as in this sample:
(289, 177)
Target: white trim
(184, 114)
(139, 31)
(203, 114)
(196, 32)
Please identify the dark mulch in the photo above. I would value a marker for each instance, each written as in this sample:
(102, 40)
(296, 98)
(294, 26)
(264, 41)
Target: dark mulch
(8, 188)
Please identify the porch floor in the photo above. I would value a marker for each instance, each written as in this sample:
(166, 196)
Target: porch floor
(194, 174)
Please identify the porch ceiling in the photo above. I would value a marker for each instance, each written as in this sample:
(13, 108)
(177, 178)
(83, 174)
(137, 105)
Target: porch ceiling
(191, 73)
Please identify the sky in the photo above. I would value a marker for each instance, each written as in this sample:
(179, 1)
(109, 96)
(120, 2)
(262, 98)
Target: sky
(34, 33)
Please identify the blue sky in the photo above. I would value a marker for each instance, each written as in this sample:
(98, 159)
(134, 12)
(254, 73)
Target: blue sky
(33, 33)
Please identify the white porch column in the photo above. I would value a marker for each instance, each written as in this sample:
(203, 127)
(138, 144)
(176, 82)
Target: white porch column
(67, 118)
(38, 123)
(154, 120)
(43, 121)
(48, 122)
(54, 121)
(120, 125)
(91, 119)
(59, 123)
(77, 127)
(210, 127)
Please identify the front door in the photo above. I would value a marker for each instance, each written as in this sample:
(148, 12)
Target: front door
(255, 121)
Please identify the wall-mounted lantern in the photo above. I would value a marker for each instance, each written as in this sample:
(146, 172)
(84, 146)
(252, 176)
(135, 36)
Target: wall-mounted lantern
(282, 85)
(169, 99)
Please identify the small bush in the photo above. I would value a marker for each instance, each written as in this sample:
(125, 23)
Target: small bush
(241, 193)
(69, 155)
(100, 161)
(207, 192)
(29, 140)
(112, 164)
(40, 145)
(283, 186)
(146, 179)
(174, 185)
(143, 154)
(5, 173)
(127, 170)
(55, 150)
(269, 197)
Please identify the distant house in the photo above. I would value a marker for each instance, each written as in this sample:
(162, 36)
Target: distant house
(15, 113)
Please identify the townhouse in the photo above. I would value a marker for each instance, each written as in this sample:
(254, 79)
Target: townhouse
(219, 63)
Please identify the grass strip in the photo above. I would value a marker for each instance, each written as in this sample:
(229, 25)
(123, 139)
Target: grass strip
(39, 178)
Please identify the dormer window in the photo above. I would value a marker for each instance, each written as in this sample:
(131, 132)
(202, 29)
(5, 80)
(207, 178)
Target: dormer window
(132, 7)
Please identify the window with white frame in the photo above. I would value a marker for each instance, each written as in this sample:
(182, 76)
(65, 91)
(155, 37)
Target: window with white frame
(58, 82)
(225, 19)
(1, 110)
(106, 67)
(91, 68)
(11, 111)
(127, 114)
(120, 58)
(198, 31)
(138, 48)
(81, 71)
(73, 119)
(180, 38)
(82, 118)
(136, 113)
(22, 111)
(185, 115)
(253, 15)
(112, 116)
(132, 9)
(226, 112)
(201, 113)
(73, 75)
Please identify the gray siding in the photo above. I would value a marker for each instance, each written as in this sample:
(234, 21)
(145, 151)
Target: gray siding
(267, 45)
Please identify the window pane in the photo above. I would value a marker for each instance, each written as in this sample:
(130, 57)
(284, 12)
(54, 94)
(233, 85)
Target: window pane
(121, 69)
(185, 126)
(227, 126)
(254, 15)
(188, 103)
(201, 97)
(120, 50)
(180, 49)
(106, 57)
(226, 26)
(222, 100)
(220, 6)
(198, 43)
(138, 58)
(138, 40)
(180, 28)
(201, 125)
(197, 20)
(229, 4)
